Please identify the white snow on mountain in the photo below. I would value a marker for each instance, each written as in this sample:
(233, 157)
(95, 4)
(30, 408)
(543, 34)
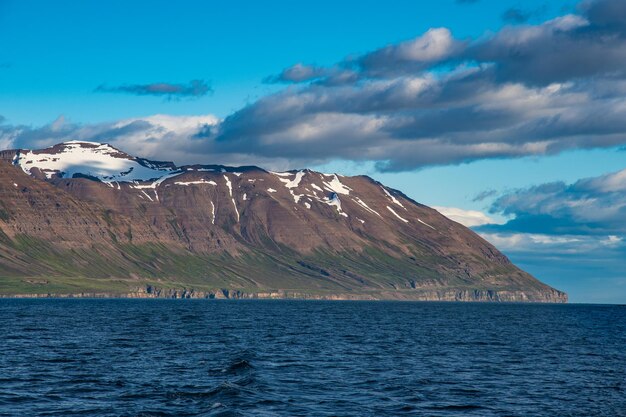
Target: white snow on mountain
(113, 167)
(98, 160)
(392, 198)
(396, 214)
(335, 185)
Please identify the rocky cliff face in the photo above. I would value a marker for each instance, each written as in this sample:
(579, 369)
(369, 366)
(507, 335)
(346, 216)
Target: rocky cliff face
(86, 218)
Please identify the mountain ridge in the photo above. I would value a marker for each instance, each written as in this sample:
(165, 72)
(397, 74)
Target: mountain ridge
(86, 218)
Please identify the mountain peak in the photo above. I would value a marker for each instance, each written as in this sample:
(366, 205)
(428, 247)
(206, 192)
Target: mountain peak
(93, 159)
(104, 162)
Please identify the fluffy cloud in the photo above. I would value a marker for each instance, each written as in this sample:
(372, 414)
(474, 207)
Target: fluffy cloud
(591, 206)
(433, 100)
(413, 55)
(552, 245)
(193, 89)
(469, 218)
(525, 90)
(558, 219)
(298, 73)
(558, 228)
(159, 137)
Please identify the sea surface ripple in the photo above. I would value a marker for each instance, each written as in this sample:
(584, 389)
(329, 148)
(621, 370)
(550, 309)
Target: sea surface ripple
(310, 358)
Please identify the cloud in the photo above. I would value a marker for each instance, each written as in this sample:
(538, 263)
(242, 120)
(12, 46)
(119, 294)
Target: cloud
(434, 46)
(589, 207)
(469, 218)
(483, 195)
(525, 90)
(517, 15)
(158, 137)
(555, 245)
(298, 73)
(193, 89)
(434, 100)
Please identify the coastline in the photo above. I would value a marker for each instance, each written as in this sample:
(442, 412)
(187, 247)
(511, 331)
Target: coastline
(449, 295)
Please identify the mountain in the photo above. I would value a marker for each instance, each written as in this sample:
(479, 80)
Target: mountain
(86, 219)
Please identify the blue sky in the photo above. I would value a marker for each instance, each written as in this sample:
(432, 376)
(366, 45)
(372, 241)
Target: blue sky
(60, 51)
(76, 69)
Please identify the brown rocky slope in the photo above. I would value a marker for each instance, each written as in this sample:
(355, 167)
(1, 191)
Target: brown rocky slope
(85, 219)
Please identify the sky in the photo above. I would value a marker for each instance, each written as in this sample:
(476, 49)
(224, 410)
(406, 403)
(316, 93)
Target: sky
(508, 116)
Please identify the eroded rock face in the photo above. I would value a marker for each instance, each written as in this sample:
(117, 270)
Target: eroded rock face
(246, 229)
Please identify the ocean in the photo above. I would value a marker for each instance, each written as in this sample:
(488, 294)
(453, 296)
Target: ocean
(78, 357)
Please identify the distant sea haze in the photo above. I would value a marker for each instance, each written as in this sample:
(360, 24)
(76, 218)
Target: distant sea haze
(305, 358)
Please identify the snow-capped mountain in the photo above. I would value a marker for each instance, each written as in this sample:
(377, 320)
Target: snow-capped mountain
(97, 160)
(94, 211)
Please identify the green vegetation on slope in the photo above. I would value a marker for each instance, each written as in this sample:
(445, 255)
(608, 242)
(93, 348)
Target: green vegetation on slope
(125, 267)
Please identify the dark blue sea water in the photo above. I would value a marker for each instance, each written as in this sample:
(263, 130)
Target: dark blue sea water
(309, 358)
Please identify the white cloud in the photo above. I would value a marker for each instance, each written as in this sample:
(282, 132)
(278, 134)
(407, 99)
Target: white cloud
(549, 244)
(164, 137)
(469, 218)
(590, 206)
(435, 44)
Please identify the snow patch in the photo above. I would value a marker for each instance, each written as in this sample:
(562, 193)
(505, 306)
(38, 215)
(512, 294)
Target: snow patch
(425, 224)
(291, 184)
(395, 200)
(366, 207)
(155, 184)
(282, 174)
(195, 182)
(230, 191)
(296, 197)
(146, 194)
(295, 182)
(229, 185)
(334, 201)
(97, 160)
(236, 210)
(337, 186)
(396, 214)
(271, 190)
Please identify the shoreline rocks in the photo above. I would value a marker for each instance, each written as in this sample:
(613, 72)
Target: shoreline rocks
(449, 295)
